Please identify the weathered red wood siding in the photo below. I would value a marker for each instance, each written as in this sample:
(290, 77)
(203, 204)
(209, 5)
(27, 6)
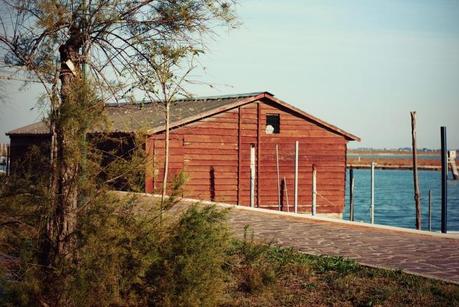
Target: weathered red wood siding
(317, 146)
(215, 153)
(207, 150)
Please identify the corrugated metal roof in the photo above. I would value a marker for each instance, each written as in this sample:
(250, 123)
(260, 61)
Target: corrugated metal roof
(133, 117)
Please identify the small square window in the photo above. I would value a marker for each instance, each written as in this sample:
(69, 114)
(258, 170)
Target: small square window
(272, 123)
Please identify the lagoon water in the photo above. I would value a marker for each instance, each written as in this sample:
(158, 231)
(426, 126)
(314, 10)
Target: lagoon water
(394, 201)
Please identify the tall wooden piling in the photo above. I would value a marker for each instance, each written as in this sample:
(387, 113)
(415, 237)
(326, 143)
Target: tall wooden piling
(351, 194)
(444, 181)
(372, 201)
(417, 194)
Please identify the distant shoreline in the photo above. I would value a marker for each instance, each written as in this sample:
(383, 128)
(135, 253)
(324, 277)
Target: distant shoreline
(393, 159)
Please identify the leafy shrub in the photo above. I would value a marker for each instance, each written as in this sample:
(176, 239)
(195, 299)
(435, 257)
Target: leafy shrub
(251, 267)
(190, 267)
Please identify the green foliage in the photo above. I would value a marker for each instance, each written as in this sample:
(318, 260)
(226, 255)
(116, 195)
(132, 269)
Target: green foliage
(254, 272)
(190, 268)
(24, 201)
(125, 256)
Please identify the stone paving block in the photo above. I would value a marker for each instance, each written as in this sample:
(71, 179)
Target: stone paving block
(431, 256)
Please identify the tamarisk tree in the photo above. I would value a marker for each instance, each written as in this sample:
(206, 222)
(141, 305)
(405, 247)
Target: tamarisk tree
(85, 53)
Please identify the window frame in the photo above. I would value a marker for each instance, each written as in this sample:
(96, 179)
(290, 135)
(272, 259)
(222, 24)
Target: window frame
(271, 123)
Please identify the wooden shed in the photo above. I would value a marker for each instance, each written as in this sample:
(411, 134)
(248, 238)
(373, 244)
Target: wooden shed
(229, 154)
(227, 147)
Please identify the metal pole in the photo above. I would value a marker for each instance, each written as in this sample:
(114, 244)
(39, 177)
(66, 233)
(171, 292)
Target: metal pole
(278, 179)
(444, 178)
(314, 190)
(372, 204)
(351, 194)
(430, 210)
(296, 177)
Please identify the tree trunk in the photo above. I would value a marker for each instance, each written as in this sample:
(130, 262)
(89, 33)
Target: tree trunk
(66, 155)
(166, 157)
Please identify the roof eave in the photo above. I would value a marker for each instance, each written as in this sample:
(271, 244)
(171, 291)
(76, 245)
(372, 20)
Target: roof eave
(209, 113)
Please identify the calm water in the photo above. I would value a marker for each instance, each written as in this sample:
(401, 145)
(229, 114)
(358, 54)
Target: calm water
(394, 201)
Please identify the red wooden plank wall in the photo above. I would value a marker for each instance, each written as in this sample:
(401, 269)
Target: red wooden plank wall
(317, 146)
(208, 150)
(215, 153)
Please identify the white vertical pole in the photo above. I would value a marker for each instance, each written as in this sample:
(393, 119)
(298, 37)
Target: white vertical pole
(252, 176)
(278, 179)
(296, 176)
(314, 190)
(372, 204)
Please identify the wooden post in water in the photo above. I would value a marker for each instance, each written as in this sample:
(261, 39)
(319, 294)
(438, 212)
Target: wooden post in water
(351, 194)
(372, 204)
(444, 181)
(430, 210)
(314, 190)
(278, 179)
(296, 177)
(417, 194)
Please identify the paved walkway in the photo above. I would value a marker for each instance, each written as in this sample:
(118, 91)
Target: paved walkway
(426, 255)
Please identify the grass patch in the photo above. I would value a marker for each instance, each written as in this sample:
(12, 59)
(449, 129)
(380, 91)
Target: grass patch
(266, 275)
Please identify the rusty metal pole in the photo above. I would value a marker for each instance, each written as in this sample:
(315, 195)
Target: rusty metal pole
(444, 181)
(417, 194)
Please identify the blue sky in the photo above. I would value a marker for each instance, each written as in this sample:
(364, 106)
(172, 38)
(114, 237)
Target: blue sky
(362, 65)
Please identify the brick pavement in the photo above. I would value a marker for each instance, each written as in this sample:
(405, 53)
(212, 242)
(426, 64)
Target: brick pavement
(427, 255)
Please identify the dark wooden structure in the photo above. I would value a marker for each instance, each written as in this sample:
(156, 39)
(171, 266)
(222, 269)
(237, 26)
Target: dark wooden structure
(213, 149)
(215, 139)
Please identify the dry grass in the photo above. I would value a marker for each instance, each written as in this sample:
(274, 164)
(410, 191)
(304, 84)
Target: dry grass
(284, 277)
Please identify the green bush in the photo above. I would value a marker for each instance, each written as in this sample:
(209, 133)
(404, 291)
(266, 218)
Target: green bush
(190, 267)
(250, 264)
